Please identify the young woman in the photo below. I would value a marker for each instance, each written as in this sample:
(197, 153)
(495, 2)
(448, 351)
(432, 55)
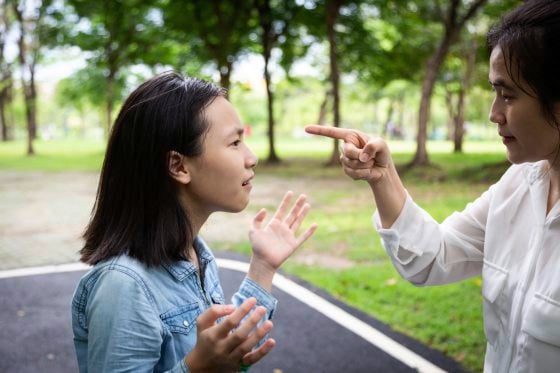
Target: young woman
(152, 301)
(511, 234)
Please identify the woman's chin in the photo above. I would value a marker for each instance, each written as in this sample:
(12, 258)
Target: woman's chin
(237, 208)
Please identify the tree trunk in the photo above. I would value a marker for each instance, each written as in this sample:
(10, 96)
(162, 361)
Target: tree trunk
(28, 86)
(388, 118)
(3, 106)
(225, 73)
(460, 119)
(267, 40)
(323, 110)
(333, 7)
(110, 98)
(459, 123)
(432, 69)
(31, 102)
(400, 115)
(3, 120)
(452, 28)
(450, 114)
(272, 156)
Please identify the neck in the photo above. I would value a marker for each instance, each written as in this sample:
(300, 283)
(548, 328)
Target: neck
(196, 213)
(197, 220)
(554, 177)
(554, 189)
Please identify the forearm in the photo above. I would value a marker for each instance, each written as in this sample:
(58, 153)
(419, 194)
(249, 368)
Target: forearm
(390, 196)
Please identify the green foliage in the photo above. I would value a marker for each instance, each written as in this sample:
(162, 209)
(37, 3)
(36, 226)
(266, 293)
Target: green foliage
(85, 87)
(216, 31)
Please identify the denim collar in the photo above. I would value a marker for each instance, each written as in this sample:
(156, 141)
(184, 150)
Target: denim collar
(181, 269)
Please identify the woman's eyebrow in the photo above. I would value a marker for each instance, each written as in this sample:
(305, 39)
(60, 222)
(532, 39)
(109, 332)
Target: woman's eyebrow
(500, 83)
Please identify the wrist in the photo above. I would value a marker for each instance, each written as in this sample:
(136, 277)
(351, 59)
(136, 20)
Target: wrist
(191, 363)
(262, 273)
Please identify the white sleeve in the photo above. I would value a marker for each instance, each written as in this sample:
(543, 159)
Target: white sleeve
(428, 253)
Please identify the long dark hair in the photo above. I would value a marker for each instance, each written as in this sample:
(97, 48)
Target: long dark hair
(529, 38)
(137, 210)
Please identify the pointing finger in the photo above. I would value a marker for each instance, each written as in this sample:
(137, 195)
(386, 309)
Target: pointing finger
(351, 136)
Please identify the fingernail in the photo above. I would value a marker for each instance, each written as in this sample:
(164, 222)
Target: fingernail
(364, 157)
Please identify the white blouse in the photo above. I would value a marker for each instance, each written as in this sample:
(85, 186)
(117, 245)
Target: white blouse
(506, 236)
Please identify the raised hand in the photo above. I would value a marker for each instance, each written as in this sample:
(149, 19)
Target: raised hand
(369, 159)
(274, 242)
(363, 158)
(225, 346)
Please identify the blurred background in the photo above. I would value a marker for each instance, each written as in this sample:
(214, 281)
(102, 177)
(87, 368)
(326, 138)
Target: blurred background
(414, 72)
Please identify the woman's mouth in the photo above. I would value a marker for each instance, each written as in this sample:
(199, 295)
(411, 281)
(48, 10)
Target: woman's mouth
(507, 139)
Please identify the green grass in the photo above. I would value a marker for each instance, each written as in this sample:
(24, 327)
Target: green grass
(448, 318)
(60, 155)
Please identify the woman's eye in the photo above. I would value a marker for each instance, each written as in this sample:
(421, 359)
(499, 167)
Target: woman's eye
(236, 143)
(507, 98)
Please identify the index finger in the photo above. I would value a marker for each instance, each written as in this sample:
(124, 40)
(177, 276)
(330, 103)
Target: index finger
(347, 135)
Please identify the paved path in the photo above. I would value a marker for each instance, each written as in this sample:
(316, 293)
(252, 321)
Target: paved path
(35, 332)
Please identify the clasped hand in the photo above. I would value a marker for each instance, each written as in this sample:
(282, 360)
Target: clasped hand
(221, 347)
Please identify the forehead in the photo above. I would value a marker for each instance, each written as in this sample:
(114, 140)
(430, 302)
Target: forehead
(222, 118)
(497, 66)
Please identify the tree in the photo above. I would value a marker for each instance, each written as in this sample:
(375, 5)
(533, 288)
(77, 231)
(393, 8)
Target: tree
(117, 34)
(29, 15)
(457, 81)
(339, 23)
(275, 19)
(453, 22)
(215, 30)
(6, 80)
(332, 10)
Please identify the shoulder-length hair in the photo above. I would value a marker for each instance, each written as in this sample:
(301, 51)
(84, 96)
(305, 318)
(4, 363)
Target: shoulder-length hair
(137, 210)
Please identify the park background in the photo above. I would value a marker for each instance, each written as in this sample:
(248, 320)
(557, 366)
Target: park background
(414, 72)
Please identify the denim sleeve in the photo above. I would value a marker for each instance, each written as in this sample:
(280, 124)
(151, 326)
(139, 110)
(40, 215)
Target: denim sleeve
(125, 333)
(250, 288)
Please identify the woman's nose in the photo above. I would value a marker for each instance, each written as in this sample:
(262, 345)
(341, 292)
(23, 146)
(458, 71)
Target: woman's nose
(496, 115)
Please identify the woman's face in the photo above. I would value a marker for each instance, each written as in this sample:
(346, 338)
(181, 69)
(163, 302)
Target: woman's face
(524, 130)
(220, 178)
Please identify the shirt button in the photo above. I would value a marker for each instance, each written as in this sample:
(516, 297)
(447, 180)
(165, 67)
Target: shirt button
(186, 323)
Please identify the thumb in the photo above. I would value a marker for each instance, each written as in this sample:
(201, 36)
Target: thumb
(209, 317)
(375, 148)
(364, 156)
(259, 218)
(368, 151)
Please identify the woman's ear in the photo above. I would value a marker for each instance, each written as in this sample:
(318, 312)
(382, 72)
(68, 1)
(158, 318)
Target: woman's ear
(177, 167)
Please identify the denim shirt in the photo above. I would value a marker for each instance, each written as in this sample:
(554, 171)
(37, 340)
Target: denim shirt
(128, 317)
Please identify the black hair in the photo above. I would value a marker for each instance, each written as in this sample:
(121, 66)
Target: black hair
(137, 210)
(529, 38)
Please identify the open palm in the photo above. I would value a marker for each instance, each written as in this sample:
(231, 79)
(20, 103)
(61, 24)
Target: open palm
(274, 242)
